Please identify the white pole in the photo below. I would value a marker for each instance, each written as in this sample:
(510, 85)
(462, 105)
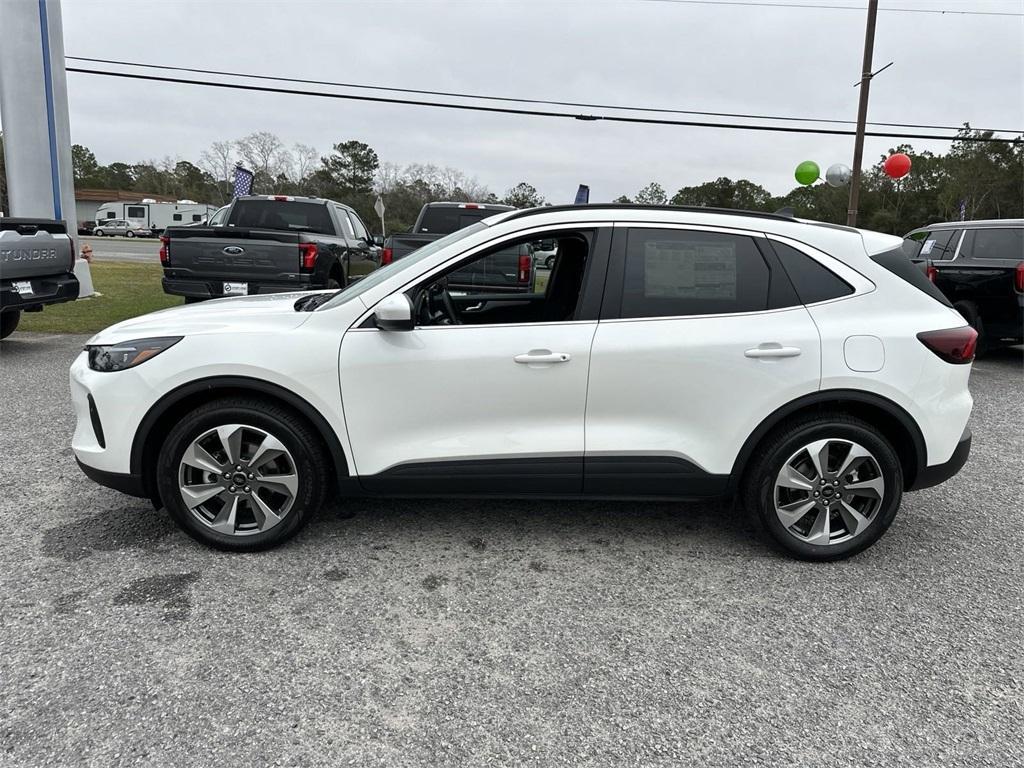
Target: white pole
(34, 104)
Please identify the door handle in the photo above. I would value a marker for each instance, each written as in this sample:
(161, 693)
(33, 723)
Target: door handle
(542, 356)
(771, 351)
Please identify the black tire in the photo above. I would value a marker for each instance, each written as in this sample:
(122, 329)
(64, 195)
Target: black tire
(298, 437)
(972, 315)
(97, 233)
(129, 233)
(757, 490)
(8, 322)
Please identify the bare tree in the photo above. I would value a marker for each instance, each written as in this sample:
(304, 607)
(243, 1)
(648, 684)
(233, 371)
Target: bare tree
(219, 161)
(305, 160)
(264, 154)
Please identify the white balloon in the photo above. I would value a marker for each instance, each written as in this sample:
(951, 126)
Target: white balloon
(838, 175)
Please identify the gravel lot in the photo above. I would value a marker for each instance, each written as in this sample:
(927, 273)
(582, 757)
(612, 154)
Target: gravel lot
(502, 633)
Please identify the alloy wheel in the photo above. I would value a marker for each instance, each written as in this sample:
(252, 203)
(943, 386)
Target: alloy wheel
(238, 480)
(829, 492)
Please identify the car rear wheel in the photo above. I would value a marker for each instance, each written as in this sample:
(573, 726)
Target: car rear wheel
(824, 487)
(9, 322)
(242, 474)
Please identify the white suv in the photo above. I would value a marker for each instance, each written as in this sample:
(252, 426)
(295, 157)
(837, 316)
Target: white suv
(671, 353)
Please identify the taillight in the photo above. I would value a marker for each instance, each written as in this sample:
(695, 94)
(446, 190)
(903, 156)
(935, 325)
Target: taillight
(307, 256)
(931, 272)
(165, 250)
(524, 268)
(1018, 278)
(386, 256)
(954, 345)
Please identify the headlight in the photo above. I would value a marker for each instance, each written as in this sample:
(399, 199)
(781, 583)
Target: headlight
(127, 354)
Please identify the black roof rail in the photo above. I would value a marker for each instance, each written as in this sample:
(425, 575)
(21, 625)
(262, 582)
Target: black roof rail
(639, 207)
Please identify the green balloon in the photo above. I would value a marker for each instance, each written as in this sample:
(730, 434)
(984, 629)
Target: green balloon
(807, 172)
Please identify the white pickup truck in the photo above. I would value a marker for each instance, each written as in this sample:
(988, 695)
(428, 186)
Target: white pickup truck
(37, 261)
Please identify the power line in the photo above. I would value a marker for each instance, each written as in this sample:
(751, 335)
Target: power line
(747, 3)
(534, 113)
(548, 102)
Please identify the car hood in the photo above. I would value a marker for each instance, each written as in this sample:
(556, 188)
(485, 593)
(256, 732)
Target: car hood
(244, 314)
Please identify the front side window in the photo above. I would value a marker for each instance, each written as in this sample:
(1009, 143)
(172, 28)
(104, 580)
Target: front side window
(357, 226)
(502, 285)
(674, 273)
(346, 222)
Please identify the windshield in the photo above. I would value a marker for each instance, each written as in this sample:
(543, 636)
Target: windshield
(379, 276)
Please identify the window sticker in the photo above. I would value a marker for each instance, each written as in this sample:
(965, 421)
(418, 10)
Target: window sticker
(927, 247)
(694, 270)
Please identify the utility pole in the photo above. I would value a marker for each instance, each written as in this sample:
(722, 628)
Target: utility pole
(862, 113)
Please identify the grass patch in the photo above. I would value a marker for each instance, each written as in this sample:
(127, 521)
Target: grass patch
(129, 290)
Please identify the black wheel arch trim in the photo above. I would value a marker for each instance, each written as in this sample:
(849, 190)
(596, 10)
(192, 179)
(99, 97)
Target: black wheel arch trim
(834, 397)
(214, 384)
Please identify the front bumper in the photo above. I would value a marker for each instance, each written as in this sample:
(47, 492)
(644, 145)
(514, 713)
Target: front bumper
(51, 289)
(940, 473)
(132, 485)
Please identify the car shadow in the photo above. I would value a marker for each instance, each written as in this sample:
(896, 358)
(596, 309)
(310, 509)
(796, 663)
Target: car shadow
(704, 525)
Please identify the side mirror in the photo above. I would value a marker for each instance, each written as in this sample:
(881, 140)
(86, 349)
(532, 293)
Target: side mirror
(378, 240)
(394, 313)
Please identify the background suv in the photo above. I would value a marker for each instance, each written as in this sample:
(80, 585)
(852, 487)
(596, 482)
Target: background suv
(673, 353)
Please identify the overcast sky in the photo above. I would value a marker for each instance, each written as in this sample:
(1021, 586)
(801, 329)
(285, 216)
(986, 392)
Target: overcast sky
(786, 61)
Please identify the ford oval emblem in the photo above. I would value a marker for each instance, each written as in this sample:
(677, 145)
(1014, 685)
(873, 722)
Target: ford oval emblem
(234, 250)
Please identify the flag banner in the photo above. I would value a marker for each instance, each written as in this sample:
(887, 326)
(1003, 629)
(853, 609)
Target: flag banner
(582, 195)
(243, 181)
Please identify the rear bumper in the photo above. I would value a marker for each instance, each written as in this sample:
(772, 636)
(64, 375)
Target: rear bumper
(940, 473)
(214, 289)
(52, 289)
(129, 484)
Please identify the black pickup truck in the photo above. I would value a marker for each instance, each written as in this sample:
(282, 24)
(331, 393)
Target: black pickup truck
(268, 244)
(37, 262)
(507, 271)
(979, 266)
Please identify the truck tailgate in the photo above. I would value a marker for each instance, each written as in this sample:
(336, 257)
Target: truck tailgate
(34, 249)
(403, 245)
(225, 253)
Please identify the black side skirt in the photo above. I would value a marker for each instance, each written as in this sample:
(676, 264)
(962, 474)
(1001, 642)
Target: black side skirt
(563, 477)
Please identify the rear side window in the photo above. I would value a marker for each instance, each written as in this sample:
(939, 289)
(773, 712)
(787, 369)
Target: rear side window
(898, 262)
(1006, 244)
(813, 281)
(672, 273)
(280, 214)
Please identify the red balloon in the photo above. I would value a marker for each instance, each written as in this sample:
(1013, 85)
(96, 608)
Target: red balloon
(896, 166)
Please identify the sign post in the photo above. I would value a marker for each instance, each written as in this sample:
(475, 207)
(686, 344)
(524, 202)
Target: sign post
(379, 208)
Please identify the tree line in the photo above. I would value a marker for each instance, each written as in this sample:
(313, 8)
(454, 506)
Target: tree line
(986, 179)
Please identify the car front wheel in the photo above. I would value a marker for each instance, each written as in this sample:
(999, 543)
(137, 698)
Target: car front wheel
(129, 233)
(824, 487)
(97, 233)
(242, 474)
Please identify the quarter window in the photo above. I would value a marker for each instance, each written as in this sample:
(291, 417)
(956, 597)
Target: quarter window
(813, 281)
(672, 273)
